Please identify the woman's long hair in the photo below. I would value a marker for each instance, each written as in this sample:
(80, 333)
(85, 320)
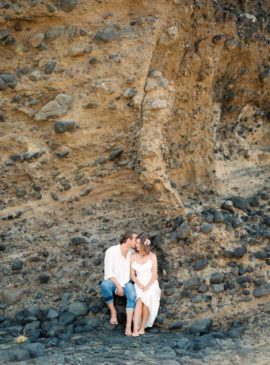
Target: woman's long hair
(144, 244)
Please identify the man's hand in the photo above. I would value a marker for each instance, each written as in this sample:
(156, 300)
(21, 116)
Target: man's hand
(120, 291)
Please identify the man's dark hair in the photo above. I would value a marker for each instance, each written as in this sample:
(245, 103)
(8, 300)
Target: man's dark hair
(126, 236)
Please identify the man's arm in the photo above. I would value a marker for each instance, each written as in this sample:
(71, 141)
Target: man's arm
(109, 272)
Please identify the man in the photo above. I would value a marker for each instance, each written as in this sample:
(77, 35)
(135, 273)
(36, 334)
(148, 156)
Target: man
(117, 278)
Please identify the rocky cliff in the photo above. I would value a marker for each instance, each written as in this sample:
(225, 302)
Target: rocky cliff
(143, 115)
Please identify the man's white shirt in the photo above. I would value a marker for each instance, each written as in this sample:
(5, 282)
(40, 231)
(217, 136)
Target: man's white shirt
(115, 265)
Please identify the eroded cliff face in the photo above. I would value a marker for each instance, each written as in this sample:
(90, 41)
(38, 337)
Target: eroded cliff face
(143, 115)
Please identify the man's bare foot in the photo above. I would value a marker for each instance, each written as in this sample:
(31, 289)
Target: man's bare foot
(113, 319)
(141, 332)
(135, 334)
(128, 333)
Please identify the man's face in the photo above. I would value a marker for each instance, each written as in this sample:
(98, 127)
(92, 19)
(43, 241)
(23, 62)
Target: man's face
(133, 241)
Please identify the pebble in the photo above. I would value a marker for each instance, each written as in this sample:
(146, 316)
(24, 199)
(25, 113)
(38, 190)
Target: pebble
(108, 34)
(36, 40)
(62, 126)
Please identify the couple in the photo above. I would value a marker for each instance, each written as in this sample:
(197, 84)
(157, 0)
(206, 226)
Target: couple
(123, 263)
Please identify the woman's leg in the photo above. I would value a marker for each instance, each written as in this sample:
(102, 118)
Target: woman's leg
(137, 317)
(145, 314)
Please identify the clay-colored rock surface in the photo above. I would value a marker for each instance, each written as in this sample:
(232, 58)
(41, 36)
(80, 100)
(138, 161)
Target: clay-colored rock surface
(170, 100)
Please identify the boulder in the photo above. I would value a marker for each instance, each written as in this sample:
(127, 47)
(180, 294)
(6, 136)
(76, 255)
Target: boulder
(55, 108)
(202, 326)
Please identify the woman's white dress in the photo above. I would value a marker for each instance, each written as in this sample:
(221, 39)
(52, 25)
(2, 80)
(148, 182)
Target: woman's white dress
(151, 297)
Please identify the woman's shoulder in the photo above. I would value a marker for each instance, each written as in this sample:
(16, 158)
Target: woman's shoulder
(153, 256)
(133, 256)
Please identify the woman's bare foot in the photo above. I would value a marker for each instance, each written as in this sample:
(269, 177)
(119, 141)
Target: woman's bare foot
(141, 332)
(135, 334)
(128, 333)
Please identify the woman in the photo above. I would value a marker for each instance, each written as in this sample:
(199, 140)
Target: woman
(144, 275)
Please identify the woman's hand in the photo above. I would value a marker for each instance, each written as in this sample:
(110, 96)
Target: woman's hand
(140, 285)
(145, 288)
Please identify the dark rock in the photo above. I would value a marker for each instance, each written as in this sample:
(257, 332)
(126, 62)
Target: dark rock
(7, 79)
(235, 332)
(95, 307)
(67, 318)
(33, 334)
(35, 349)
(168, 292)
(218, 38)
(79, 308)
(183, 344)
(202, 327)
(260, 255)
(192, 283)
(98, 261)
(254, 201)
(206, 228)
(75, 241)
(130, 92)
(236, 222)
(216, 278)
(49, 67)
(90, 105)
(80, 340)
(240, 203)
(94, 322)
(20, 193)
(239, 252)
(107, 34)
(218, 288)
(263, 76)
(262, 291)
(202, 288)
(200, 343)
(32, 326)
(52, 314)
(229, 285)
(17, 265)
(2, 117)
(4, 33)
(66, 5)
(85, 191)
(43, 279)
(183, 231)
(62, 126)
(200, 264)
(176, 325)
(17, 355)
(54, 196)
(218, 217)
(32, 311)
(63, 153)
(115, 154)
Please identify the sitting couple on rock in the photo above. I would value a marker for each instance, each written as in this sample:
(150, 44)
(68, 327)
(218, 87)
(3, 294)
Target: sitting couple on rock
(124, 266)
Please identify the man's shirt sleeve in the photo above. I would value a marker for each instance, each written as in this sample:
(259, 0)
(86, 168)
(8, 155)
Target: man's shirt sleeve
(108, 265)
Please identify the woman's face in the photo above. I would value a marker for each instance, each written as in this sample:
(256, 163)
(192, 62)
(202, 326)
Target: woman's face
(138, 244)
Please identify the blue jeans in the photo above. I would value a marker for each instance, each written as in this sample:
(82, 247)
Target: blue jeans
(108, 289)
